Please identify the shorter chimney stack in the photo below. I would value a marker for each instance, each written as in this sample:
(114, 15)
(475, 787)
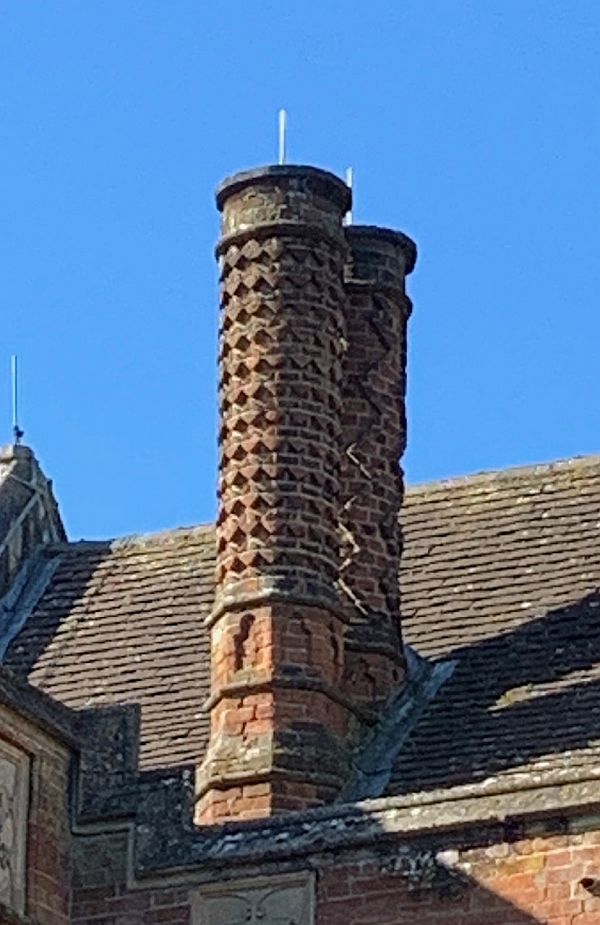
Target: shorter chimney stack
(374, 438)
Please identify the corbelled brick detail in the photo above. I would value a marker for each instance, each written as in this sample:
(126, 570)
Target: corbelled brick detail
(279, 722)
(374, 439)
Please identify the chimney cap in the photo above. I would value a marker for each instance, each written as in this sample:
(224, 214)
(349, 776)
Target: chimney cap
(332, 186)
(377, 233)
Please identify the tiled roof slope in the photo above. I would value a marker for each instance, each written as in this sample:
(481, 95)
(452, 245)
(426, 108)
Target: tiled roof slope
(122, 622)
(501, 572)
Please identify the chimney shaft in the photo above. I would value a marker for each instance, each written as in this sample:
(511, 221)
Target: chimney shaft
(280, 724)
(374, 439)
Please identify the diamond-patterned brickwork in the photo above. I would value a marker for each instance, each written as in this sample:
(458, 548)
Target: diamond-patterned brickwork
(280, 727)
(281, 340)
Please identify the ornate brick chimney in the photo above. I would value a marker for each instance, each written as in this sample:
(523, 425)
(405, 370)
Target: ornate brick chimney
(374, 438)
(280, 721)
(305, 632)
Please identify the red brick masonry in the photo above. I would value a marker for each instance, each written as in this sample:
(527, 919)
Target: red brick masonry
(532, 881)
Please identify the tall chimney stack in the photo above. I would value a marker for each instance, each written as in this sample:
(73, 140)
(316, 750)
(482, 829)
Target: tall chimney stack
(374, 438)
(281, 722)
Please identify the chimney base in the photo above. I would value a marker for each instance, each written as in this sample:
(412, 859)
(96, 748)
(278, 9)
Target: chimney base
(282, 729)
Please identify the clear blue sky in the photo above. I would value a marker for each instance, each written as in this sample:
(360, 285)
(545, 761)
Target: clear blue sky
(472, 125)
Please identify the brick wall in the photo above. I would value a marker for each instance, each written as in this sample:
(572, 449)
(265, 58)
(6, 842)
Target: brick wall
(534, 881)
(101, 895)
(526, 882)
(48, 832)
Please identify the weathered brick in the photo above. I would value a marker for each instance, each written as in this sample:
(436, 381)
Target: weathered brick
(276, 625)
(373, 439)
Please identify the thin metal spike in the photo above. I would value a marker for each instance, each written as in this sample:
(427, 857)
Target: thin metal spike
(282, 154)
(350, 184)
(18, 434)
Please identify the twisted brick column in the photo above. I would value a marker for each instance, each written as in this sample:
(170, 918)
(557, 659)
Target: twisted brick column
(374, 439)
(279, 722)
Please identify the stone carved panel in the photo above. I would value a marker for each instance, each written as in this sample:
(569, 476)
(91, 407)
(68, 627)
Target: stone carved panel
(285, 900)
(14, 798)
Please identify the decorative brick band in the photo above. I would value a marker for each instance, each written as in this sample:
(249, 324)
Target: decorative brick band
(250, 593)
(283, 682)
(266, 230)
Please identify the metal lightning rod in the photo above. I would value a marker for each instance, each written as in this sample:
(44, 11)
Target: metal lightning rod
(350, 183)
(17, 432)
(282, 136)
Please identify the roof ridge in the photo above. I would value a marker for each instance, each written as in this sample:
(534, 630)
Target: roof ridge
(509, 473)
(161, 536)
(133, 539)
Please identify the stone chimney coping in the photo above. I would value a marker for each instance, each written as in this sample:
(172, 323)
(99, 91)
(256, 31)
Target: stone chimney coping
(376, 232)
(333, 187)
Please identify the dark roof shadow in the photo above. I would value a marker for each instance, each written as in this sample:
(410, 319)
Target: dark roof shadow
(529, 695)
(123, 624)
(72, 582)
